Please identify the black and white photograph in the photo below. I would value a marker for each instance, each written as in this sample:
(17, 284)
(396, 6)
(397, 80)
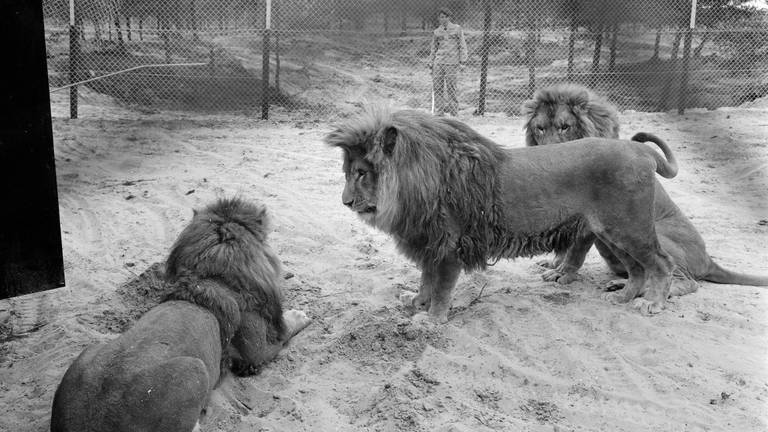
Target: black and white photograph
(384, 216)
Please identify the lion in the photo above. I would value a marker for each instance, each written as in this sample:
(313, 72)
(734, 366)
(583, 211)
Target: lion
(453, 199)
(567, 112)
(225, 301)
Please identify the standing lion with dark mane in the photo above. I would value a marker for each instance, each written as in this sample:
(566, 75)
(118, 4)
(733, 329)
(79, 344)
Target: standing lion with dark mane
(455, 200)
(157, 376)
(566, 112)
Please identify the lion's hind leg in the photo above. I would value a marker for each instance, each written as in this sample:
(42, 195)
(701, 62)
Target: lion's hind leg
(167, 397)
(658, 267)
(611, 260)
(649, 271)
(657, 289)
(253, 345)
(615, 245)
(633, 285)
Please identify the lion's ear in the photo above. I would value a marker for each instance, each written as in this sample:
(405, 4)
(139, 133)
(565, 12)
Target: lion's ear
(528, 108)
(388, 140)
(581, 100)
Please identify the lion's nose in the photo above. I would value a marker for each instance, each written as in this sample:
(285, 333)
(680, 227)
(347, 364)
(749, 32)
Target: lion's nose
(347, 197)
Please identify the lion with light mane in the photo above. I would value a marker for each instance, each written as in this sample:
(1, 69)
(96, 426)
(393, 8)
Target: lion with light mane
(225, 307)
(453, 199)
(566, 112)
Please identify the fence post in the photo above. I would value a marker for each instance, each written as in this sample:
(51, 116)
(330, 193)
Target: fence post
(488, 8)
(277, 61)
(265, 61)
(683, 94)
(74, 59)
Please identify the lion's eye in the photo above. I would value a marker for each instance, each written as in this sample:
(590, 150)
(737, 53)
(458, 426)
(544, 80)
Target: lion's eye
(539, 129)
(564, 127)
(361, 173)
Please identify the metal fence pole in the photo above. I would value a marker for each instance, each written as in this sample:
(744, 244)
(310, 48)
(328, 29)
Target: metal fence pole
(265, 62)
(487, 16)
(74, 59)
(683, 94)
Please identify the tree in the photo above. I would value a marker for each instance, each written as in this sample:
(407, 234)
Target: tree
(717, 15)
(570, 11)
(656, 45)
(601, 16)
(614, 37)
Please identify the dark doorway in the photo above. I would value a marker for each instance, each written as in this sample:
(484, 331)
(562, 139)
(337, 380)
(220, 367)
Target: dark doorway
(30, 236)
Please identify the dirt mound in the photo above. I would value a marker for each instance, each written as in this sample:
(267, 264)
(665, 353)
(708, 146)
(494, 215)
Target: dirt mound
(382, 335)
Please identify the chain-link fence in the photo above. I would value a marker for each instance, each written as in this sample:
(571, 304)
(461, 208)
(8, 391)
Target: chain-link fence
(330, 56)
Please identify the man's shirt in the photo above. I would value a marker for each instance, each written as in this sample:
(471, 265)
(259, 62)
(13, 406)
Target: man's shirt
(448, 45)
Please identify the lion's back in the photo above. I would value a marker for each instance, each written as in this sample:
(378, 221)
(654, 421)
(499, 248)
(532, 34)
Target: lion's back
(565, 159)
(76, 403)
(174, 339)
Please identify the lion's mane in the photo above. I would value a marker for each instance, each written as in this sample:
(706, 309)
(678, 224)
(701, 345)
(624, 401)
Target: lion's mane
(595, 116)
(224, 247)
(438, 190)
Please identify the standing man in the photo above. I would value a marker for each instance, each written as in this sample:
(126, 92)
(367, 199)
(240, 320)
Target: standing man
(448, 53)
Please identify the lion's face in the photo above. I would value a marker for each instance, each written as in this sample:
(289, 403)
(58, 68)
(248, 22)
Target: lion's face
(360, 189)
(567, 112)
(554, 124)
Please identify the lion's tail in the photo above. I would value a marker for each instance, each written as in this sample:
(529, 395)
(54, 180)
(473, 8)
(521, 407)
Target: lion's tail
(718, 274)
(667, 168)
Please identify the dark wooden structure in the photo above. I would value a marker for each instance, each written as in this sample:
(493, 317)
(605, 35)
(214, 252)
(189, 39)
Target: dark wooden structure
(30, 235)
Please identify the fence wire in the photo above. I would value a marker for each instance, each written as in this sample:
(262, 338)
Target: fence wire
(330, 56)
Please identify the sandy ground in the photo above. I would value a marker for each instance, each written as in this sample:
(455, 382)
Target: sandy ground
(517, 353)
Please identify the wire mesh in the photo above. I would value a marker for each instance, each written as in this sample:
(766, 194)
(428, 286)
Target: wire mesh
(329, 56)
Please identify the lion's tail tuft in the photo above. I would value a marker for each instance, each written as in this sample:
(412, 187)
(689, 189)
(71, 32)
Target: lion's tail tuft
(667, 168)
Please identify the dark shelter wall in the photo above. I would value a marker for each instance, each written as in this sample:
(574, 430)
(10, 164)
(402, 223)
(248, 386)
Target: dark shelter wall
(30, 236)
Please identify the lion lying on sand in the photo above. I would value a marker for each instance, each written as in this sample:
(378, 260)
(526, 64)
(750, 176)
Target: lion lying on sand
(454, 200)
(157, 376)
(566, 112)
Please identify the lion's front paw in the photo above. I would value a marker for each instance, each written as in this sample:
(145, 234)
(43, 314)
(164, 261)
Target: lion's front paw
(429, 319)
(558, 276)
(424, 319)
(412, 299)
(243, 368)
(683, 286)
(616, 297)
(567, 278)
(296, 320)
(615, 285)
(547, 263)
(647, 307)
(551, 275)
